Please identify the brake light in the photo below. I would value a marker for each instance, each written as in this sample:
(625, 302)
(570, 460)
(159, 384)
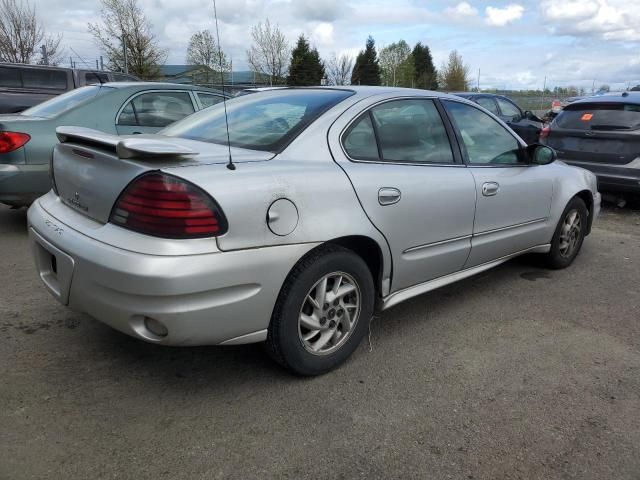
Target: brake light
(162, 205)
(10, 141)
(544, 133)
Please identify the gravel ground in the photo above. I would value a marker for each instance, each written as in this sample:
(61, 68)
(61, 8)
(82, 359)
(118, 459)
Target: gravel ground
(517, 373)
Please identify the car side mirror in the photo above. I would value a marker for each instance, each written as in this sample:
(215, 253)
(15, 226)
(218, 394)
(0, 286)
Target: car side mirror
(541, 154)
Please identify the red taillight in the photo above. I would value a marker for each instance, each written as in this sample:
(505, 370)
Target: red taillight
(10, 141)
(544, 133)
(165, 206)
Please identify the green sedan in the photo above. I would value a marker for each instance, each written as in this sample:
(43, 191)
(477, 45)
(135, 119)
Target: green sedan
(123, 108)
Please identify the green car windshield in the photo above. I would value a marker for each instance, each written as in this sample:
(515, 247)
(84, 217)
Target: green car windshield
(66, 101)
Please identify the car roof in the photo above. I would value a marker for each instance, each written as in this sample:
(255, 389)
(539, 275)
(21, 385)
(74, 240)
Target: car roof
(158, 85)
(624, 97)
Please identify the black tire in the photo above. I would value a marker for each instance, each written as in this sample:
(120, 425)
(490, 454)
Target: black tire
(556, 258)
(284, 343)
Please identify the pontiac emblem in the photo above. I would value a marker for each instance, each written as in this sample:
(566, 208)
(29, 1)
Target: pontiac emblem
(75, 201)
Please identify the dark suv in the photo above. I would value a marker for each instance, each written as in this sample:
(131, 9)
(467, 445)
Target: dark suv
(23, 86)
(601, 134)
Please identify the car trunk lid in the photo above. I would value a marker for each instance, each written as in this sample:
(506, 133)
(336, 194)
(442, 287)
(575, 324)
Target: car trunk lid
(597, 132)
(91, 168)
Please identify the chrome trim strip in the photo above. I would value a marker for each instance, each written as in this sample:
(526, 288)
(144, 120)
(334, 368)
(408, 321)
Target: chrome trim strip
(409, 292)
(435, 244)
(510, 227)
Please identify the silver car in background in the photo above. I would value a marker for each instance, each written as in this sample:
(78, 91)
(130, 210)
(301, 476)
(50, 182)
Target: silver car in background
(337, 202)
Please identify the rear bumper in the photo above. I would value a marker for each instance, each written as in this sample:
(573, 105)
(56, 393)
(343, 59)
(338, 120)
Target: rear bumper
(21, 184)
(621, 178)
(204, 299)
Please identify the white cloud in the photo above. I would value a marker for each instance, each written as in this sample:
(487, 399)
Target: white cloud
(462, 9)
(608, 19)
(322, 35)
(499, 17)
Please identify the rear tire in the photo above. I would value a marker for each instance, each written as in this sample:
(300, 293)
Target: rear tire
(569, 235)
(322, 312)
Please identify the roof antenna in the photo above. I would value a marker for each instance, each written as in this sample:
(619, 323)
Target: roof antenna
(230, 165)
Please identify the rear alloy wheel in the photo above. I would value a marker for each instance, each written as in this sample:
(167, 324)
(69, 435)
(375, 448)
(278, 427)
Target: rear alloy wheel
(569, 234)
(322, 312)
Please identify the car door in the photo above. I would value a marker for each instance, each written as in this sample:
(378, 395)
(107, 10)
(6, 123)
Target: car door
(511, 114)
(411, 183)
(513, 196)
(151, 111)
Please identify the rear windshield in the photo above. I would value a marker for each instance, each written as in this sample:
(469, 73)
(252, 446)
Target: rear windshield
(66, 101)
(600, 116)
(263, 121)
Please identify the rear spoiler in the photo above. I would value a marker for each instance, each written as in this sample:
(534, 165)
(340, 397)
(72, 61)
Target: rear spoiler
(129, 147)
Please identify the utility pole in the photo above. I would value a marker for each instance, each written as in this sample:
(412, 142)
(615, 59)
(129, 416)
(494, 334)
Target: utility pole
(124, 48)
(478, 80)
(544, 88)
(71, 61)
(45, 55)
(101, 63)
(593, 87)
(97, 64)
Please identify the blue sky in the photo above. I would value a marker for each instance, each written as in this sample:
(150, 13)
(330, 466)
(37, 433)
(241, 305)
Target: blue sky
(515, 44)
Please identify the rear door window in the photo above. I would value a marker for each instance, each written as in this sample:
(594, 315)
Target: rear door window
(10, 77)
(600, 116)
(411, 131)
(157, 109)
(41, 78)
(360, 140)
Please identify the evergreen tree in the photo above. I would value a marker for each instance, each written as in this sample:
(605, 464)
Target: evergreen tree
(367, 69)
(306, 67)
(425, 74)
(454, 75)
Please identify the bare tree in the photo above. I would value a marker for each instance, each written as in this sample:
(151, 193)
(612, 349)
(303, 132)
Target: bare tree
(269, 53)
(22, 35)
(394, 61)
(203, 50)
(126, 39)
(339, 69)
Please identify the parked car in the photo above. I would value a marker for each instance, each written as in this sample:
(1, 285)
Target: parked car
(23, 86)
(524, 123)
(601, 134)
(337, 200)
(27, 138)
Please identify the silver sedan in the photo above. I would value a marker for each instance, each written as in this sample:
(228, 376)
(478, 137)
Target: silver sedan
(293, 216)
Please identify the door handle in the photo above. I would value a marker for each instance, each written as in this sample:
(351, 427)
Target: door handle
(490, 189)
(388, 196)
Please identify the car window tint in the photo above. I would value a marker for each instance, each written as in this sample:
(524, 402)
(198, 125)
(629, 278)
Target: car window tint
(508, 109)
(600, 116)
(159, 109)
(10, 77)
(127, 116)
(265, 121)
(484, 139)
(41, 78)
(411, 131)
(207, 99)
(360, 140)
(488, 103)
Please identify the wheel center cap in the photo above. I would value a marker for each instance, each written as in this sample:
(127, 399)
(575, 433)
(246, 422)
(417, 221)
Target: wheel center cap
(332, 313)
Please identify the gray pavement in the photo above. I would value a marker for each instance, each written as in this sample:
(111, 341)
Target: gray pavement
(518, 373)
